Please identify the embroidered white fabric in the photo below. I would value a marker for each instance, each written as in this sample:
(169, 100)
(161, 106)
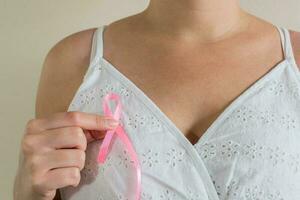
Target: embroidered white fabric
(250, 152)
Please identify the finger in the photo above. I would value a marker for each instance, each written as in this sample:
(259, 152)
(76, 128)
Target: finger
(92, 135)
(73, 118)
(62, 158)
(60, 138)
(62, 177)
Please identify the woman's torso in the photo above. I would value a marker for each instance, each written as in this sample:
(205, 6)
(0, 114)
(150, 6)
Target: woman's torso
(243, 153)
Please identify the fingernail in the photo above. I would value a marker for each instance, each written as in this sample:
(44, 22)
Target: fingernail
(111, 123)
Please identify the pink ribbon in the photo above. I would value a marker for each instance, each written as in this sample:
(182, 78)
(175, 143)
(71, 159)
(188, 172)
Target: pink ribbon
(119, 130)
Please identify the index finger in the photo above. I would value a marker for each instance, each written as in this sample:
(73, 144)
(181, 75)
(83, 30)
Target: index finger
(84, 120)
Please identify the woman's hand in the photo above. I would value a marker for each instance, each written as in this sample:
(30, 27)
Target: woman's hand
(53, 152)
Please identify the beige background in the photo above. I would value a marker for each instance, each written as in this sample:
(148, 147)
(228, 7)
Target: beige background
(29, 28)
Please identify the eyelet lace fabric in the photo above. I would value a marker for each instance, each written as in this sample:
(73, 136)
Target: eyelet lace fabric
(251, 153)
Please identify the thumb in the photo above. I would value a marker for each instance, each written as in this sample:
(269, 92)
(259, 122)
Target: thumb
(92, 135)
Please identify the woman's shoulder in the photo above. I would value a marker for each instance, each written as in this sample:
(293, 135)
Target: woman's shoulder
(62, 72)
(295, 40)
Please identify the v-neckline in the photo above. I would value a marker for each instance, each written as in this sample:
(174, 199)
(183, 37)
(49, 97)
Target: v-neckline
(153, 107)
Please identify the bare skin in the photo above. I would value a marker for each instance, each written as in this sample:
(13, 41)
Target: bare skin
(208, 62)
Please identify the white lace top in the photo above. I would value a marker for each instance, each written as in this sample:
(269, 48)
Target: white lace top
(250, 152)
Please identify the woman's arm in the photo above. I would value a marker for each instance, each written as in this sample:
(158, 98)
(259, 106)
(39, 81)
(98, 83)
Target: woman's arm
(61, 75)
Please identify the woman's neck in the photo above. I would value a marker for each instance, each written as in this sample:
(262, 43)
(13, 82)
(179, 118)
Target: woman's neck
(201, 20)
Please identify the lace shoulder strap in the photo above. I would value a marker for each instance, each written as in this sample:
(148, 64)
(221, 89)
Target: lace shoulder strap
(97, 44)
(286, 38)
(96, 49)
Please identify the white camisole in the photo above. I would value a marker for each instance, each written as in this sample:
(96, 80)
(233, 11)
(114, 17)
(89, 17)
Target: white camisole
(250, 152)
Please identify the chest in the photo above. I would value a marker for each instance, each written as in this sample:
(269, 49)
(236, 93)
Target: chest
(193, 83)
(192, 92)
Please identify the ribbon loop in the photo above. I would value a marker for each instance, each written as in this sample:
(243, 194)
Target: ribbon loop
(104, 148)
